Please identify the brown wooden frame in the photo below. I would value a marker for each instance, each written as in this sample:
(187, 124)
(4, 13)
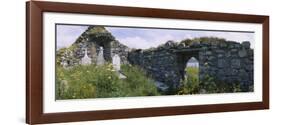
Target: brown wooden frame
(34, 61)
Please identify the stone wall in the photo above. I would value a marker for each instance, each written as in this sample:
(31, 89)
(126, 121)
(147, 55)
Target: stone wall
(160, 64)
(230, 63)
(226, 61)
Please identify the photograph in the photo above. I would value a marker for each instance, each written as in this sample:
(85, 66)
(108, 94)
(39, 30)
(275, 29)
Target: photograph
(96, 61)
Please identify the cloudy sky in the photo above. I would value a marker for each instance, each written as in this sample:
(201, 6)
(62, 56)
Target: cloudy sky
(144, 38)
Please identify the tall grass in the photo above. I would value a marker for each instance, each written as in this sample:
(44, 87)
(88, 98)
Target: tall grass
(92, 81)
(137, 82)
(190, 84)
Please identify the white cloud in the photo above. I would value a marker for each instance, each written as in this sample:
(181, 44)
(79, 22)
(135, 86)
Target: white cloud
(67, 34)
(144, 43)
(136, 42)
(143, 38)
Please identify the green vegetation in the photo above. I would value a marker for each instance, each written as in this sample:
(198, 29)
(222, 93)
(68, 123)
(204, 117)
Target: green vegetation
(215, 86)
(65, 51)
(137, 83)
(203, 40)
(91, 81)
(210, 85)
(192, 85)
(97, 29)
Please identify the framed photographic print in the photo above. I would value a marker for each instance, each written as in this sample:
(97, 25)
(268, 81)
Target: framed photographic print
(96, 62)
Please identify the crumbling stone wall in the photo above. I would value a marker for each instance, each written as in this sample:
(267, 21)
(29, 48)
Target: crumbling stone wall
(159, 63)
(92, 39)
(229, 62)
(226, 61)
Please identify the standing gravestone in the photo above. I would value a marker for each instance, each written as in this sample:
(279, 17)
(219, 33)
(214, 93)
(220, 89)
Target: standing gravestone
(100, 60)
(64, 62)
(86, 60)
(116, 62)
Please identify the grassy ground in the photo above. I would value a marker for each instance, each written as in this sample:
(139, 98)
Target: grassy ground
(91, 81)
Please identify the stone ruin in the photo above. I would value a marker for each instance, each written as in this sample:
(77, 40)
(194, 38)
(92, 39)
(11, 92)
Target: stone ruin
(226, 61)
(92, 41)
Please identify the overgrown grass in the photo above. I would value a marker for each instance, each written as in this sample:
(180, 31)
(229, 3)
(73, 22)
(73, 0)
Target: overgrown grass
(93, 81)
(137, 83)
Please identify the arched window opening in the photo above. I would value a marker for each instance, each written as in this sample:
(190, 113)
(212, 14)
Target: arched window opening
(192, 68)
(190, 82)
